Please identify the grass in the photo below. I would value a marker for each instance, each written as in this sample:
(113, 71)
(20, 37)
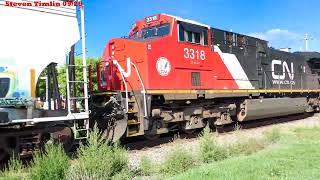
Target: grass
(275, 155)
(50, 165)
(13, 171)
(209, 148)
(273, 136)
(98, 160)
(146, 167)
(246, 146)
(180, 160)
(177, 161)
(295, 158)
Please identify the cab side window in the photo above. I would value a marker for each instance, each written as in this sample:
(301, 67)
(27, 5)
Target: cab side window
(193, 33)
(181, 33)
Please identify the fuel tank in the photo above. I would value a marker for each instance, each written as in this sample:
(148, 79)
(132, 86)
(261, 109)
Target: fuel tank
(252, 109)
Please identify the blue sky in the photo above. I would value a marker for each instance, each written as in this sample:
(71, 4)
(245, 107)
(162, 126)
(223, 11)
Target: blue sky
(281, 22)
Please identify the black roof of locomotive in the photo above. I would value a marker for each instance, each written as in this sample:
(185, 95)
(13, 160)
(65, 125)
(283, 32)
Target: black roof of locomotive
(265, 41)
(310, 55)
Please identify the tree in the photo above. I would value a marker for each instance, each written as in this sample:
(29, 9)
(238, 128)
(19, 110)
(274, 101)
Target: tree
(41, 86)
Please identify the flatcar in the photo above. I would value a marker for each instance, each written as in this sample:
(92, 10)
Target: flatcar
(172, 73)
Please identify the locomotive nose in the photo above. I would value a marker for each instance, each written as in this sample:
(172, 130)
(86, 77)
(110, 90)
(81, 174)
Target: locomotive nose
(115, 47)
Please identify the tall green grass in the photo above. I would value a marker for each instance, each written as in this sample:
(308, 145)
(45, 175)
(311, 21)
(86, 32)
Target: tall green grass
(146, 167)
(273, 135)
(210, 150)
(246, 146)
(98, 160)
(295, 158)
(177, 161)
(13, 171)
(51, 164)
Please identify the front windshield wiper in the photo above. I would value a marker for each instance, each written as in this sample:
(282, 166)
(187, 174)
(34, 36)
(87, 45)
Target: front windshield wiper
(145, 35)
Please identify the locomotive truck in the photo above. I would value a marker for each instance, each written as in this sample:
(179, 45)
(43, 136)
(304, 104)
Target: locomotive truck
(169, 74)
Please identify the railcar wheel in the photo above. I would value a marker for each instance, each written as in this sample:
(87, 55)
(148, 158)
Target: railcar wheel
(220, 126)
(65, 137)
(182, 128)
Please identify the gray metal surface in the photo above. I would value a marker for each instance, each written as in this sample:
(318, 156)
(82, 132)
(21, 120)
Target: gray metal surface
(252, 109)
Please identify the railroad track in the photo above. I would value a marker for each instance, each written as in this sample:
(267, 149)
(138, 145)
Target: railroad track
(158, 150)
(138, 143)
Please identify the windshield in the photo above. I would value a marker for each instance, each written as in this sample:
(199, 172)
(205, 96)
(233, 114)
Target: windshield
(151, 32)
(157, 31)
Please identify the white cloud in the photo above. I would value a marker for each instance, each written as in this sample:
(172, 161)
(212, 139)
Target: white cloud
(275, 34)
(280, 38)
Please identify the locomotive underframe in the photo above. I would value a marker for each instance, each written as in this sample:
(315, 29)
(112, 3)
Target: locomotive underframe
(188, 112)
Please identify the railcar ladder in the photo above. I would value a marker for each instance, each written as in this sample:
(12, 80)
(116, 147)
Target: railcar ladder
(83, 131)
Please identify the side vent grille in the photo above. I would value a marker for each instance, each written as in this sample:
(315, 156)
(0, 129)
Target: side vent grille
(195, 79)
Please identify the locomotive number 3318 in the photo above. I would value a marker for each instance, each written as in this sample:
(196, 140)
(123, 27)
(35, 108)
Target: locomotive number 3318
(194, 54)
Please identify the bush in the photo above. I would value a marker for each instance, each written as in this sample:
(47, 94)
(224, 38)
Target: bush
(209, 148)
(177, 161)
(98, 160)
(273, 136)
(51, 164)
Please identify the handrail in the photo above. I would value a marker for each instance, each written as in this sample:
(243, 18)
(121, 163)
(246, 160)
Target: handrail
(143, 90)
(124, 75)
(115, 62)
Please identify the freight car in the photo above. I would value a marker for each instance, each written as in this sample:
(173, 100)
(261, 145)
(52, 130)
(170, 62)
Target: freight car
(177, 74)
(35, 39)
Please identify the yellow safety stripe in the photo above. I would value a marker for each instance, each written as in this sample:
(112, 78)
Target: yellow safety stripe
(217, 91)
(232, 91)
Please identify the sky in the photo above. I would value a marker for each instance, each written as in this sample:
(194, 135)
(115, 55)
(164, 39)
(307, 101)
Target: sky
(281, 22)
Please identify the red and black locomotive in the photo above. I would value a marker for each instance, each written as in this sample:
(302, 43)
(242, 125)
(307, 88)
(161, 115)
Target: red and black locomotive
(172, 73)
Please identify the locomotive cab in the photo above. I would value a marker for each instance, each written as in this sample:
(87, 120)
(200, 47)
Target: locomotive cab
(175, 54)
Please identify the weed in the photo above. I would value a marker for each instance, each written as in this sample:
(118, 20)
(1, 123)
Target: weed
(14, 164)
(246, 147)
(51, 164)
(98, 160)
(146, 166)
(177, 161)
(209, 148)
(273, 136)
(14, 170)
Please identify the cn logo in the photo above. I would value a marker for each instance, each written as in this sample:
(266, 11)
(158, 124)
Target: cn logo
(285, 68)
